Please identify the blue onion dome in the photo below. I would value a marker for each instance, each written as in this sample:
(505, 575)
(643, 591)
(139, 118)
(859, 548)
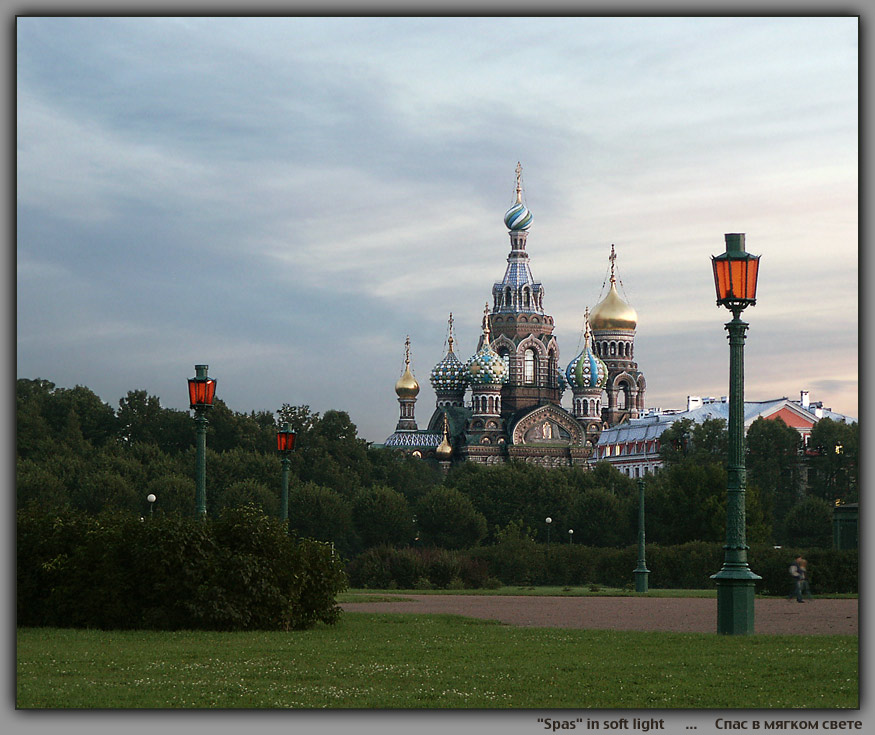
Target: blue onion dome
(486, 367)
(590, 371)
(449, 374)
(587, 370)
(518, 217)
(407, 386)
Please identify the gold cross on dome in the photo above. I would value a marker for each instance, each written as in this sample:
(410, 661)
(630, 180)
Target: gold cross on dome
(612, 257)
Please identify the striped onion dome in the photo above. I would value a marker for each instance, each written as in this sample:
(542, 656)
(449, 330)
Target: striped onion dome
(518, 217)
(587, 371)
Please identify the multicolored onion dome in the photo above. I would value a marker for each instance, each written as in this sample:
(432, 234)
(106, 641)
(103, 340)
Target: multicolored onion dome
(486, 367)
(587, 371)
(449, 374)
(518, 217)
(407, 387)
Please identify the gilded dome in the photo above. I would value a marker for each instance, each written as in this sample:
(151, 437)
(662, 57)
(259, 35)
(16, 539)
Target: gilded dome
(407, 387)
(613, 313)
(445, 449)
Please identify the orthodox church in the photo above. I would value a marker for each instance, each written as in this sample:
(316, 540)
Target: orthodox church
(505, 401)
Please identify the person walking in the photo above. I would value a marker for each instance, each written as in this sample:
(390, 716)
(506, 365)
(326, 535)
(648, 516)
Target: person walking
(797, 572)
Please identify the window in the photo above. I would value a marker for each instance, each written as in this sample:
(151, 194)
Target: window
(529, 366)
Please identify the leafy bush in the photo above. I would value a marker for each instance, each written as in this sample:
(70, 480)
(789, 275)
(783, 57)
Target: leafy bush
(115, 571)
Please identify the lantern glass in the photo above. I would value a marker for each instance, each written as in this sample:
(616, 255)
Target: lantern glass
(735, 279)
(201, 392)
(285, 440)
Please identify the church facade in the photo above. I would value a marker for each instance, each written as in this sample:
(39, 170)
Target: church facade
(505, 402)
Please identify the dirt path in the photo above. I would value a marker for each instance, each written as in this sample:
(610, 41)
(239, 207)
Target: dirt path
(684, 615)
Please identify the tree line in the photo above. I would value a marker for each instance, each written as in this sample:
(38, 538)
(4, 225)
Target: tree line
(76, 452)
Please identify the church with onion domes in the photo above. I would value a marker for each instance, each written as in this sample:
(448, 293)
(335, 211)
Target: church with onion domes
(505, 401)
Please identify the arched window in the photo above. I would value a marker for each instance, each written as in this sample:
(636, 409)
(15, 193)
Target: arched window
(505, 358)
(586, 408)
(529, 366)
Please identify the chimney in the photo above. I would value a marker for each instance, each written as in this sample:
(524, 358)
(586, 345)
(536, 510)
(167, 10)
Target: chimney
(803, 398)
(693, 402)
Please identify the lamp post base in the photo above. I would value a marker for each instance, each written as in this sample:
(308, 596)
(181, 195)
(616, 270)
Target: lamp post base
(735, 605)
(641, 576)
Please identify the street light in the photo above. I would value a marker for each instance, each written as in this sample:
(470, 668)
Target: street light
(285, 443)
(201, 391)
(570, 535)
(641, 571)
(151, 498)
(735, 279)
(548, 521)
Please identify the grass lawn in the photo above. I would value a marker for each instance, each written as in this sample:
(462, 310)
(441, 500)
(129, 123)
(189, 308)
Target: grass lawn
(432, 661)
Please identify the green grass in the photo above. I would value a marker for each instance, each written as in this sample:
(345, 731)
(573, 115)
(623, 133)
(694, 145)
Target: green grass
(432, 661)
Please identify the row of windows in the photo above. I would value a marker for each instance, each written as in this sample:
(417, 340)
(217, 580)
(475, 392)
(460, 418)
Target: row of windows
(526, 299)
(615, 349)
(616, 450)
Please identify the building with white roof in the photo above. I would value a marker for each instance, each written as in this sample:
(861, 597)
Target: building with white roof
(633, 446)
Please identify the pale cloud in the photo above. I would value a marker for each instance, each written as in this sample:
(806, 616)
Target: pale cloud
(310, 190)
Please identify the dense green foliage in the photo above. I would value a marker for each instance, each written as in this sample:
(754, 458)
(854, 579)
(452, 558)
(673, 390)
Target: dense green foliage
(240, 571)
(438, 661)
(76, 453)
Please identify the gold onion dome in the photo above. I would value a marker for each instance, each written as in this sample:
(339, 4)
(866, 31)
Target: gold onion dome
(612, 312)
(444, 449)
(407, 387)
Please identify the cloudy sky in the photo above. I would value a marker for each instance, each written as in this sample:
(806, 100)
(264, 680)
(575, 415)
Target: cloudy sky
(286, 199)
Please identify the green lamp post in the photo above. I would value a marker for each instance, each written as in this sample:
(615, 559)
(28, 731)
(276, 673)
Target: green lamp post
(285, 443)
(641, 571)
(735, 278)
(201, 392)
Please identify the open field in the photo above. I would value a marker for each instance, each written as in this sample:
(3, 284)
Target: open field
(389, 661)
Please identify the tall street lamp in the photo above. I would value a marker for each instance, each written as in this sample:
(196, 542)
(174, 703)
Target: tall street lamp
(735, 278)
(570, 535)
(201, 392)
(548, 521)
(285, 443)
(641, 571)
(151, 498)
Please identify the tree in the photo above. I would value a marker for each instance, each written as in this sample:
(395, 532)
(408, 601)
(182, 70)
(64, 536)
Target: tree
(809, 524)
(447, 518)
(248, 493)
(705, 442)
(321, 513)
(382, 516)
(832, 457)
(598, 520)
(773, 465)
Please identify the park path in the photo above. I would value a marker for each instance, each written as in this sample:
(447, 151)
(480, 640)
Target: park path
(681, 615)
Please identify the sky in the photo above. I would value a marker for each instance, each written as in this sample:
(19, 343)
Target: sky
(287, 199)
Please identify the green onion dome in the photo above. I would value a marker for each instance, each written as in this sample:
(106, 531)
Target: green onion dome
(486, 367)
(449, 374)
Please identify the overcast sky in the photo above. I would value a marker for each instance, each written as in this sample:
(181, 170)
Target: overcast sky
(286, 199)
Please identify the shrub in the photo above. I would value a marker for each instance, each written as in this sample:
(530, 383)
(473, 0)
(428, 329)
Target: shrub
(241, 571)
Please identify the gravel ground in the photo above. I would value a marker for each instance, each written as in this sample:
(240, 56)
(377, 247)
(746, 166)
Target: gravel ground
(683, 615)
